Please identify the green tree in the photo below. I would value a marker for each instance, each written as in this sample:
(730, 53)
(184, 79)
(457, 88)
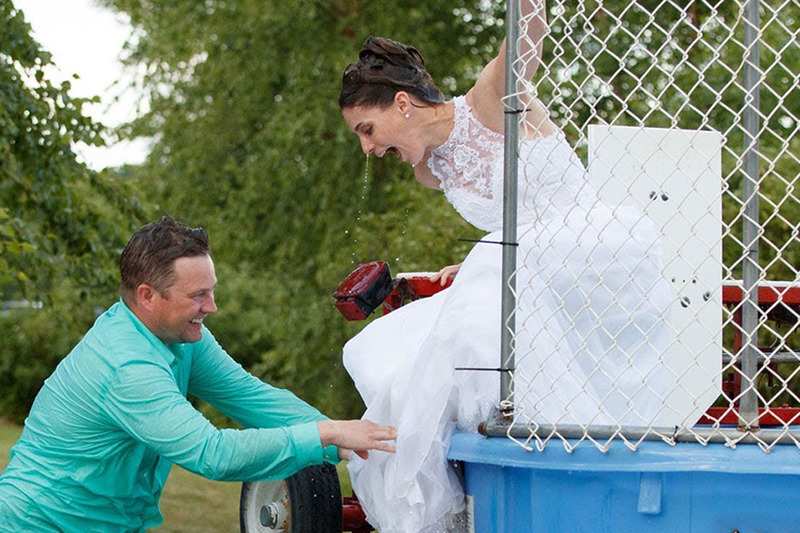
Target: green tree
(251, 144)
(61, 225)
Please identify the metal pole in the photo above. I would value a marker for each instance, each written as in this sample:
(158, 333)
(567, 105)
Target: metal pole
(508, 298)
(748, 405)
(706, 435)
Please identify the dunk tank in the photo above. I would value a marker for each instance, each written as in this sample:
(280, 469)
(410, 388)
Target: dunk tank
(688, 112)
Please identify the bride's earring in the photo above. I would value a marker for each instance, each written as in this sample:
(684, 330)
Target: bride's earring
(407, 116)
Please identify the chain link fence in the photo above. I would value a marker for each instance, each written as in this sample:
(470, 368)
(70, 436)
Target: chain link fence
(665, 303)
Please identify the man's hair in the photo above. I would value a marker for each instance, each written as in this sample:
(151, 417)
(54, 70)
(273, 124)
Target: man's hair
(150, 255)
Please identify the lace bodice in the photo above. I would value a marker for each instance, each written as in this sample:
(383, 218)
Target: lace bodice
(469, 167)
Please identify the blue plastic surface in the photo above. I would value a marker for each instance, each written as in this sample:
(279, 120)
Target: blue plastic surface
(683, 488)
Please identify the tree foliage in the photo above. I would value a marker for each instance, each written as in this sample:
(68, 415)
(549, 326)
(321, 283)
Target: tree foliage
(61, 225)
(57, 218)
(251, 144)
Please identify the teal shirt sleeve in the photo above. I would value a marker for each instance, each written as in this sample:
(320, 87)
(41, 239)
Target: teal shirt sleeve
(223, 383)
(144, 399)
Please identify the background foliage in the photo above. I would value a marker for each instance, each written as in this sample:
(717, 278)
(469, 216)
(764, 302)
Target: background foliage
(61, 225)
(250, 144)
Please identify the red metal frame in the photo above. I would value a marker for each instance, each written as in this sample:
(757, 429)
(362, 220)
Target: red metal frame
(786, 294)
(412, 287)
(774, 416)
(774, 298)
(353, 517)
(773, 292)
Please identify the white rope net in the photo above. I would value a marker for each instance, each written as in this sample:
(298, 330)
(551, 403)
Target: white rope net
(663, 302)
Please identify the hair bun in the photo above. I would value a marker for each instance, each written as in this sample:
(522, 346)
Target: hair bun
(381, 50)
(384, 63)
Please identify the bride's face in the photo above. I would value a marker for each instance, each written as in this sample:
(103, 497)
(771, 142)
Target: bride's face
(384, 130)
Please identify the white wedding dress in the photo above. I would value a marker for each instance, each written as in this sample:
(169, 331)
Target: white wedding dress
(591, 311)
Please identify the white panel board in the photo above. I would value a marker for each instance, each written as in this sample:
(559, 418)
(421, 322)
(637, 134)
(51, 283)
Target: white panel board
(674, 176)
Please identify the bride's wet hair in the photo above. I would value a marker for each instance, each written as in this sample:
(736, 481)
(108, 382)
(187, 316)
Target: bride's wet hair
(385, 67)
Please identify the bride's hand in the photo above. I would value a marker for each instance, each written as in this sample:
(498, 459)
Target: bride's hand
(445, 274)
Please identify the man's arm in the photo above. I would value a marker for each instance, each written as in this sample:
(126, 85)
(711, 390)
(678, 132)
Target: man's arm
(222, 382)
(144, 401)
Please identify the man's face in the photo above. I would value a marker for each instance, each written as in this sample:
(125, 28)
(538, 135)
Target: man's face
(178, 313)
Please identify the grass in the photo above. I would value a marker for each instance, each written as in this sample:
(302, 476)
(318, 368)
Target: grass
(9, 433)
(190, 503)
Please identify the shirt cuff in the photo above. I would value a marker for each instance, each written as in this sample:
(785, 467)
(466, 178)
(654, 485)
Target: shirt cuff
(308, 445)
(330, 454)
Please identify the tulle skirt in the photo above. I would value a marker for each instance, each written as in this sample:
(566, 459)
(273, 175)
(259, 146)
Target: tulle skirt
(590, 336)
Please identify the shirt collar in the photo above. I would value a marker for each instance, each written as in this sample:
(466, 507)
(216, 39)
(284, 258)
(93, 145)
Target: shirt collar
(169, 353)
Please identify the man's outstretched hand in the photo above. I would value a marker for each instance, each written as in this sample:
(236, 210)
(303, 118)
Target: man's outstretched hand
(358, 436)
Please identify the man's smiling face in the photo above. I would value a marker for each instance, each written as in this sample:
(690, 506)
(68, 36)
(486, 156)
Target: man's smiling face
(178, 313)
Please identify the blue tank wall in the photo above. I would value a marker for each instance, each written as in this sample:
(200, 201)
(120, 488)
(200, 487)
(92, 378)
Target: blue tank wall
(683, 488)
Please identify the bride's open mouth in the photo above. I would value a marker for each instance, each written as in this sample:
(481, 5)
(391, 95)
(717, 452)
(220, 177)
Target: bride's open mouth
(394, 151)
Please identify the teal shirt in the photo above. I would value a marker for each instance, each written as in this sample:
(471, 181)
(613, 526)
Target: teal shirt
(111, 420)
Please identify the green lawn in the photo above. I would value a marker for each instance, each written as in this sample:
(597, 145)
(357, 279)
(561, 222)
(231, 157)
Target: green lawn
(190, 503)
(9, 434)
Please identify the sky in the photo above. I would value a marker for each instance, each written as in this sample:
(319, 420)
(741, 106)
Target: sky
(86, 39)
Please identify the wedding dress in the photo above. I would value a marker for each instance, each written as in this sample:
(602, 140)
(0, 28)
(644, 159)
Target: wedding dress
(590, 313)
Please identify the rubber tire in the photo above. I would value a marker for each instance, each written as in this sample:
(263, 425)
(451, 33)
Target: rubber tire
(315, 500)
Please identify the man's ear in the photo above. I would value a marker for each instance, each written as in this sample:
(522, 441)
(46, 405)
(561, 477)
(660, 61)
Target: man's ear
(145, 294)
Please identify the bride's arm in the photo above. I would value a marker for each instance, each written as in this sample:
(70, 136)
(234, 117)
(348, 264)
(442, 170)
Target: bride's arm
(486, 97)
(530, 48)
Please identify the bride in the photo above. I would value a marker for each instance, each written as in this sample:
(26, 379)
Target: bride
(591, 300)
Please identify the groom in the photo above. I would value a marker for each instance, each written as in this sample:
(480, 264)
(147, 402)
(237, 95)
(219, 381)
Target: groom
(111, 420)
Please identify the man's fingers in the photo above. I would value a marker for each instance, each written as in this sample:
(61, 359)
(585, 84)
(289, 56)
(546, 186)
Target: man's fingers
(386, 447)
(358, 435)
(386, 433)
(382, 435)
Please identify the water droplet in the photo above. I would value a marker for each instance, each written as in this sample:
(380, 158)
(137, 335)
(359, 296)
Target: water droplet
(364, 189)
